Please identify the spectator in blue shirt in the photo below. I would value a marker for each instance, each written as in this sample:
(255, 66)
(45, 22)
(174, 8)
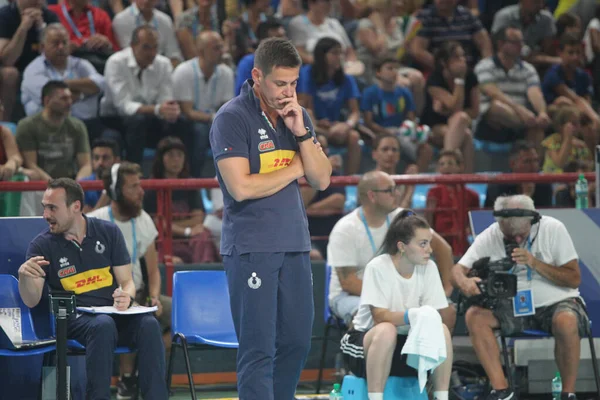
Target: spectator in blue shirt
(567, 83)
(385, 105)
(325, 91)
(105, 152)
(269, 28)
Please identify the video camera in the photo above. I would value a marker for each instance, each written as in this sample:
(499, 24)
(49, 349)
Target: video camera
(497, 282)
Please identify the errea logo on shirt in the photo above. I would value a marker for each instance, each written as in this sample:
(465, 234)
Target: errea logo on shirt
(263, 134)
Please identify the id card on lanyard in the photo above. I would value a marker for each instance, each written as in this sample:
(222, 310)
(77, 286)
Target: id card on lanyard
(90, 18)
(523, 304)
(369, 235)
(134, 234)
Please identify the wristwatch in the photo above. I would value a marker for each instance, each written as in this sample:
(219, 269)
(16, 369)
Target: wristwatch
(306, 136)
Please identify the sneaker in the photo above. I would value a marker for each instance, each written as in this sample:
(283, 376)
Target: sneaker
(505, 394)
(568, 396)
(126, 388)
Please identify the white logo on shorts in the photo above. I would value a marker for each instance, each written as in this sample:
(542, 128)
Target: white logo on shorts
(254, 281)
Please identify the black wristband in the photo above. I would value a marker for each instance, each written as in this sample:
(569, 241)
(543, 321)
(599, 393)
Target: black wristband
(306, 136)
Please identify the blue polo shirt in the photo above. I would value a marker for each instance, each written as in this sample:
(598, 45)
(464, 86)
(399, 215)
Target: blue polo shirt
(389, 108)
(581, 84)
(85, 269)
(276, 223)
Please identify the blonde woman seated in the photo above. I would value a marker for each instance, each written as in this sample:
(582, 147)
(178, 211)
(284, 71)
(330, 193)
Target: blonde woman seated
(401, 278)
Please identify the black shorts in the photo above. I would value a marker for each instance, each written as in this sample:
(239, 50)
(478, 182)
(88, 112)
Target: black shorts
(542, 320)
(352, 348)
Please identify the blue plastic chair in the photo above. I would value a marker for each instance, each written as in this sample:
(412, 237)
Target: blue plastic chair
(331, 321)
(201, 316)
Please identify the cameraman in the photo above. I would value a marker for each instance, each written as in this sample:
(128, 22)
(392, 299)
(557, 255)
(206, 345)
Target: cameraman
(548, 277)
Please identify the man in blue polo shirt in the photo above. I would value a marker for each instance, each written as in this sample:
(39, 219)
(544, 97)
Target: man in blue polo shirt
(89, 257)
(263, 142)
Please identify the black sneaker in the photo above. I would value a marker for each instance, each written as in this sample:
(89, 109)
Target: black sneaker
(568, 396)
(126, 387)
(505, 394)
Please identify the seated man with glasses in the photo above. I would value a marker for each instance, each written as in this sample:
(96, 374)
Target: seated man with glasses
(356, 239)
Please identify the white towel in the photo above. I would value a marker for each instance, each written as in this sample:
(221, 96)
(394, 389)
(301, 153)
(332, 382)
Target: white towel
(425, 346)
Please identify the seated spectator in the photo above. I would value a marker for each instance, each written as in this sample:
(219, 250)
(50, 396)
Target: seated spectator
(201, 17)
(566, 83)
(54, 144)
(523, 159)
(444, 21)
(386, 154)
(90, 31)
(385, 105)
(84, 82)
(324, 89)
(356, 238)
(192, 242)
(92, 248)
(565, 196)
(511, 97)
(591, 45)
(20, 24)
(246, 38)
(307, 29)
(143, 12)
(270, 28)
(201, 86)
(9, 86)
(538, 27)
(10, 158)
(396, 284)
(380, 36)
(105, 152)
(442, 203)
(565, 145)
(568, 23)
(122, 183)
(554, 307)
(323, 208)
(452, 103)
(140, 93)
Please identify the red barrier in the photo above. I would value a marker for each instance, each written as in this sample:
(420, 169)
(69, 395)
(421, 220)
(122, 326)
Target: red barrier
(165, 187)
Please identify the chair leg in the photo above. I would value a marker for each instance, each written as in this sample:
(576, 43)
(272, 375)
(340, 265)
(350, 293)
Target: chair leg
(188, 366)
(594, 363)
(174, 345)
(323, 355)
(509, 376)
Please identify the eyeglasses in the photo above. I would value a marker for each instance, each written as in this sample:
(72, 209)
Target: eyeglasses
(389, 190)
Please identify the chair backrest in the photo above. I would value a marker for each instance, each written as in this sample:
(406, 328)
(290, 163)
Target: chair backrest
(201, 303)
(10, 298)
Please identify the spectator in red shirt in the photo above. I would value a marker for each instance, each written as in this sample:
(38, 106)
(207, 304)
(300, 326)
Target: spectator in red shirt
(89, 27)
(446, 199)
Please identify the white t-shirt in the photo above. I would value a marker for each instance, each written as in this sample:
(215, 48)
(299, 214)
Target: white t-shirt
(349, 245)
(303, 33)
(587, 39)
(145, 232)
(189, 85)
(552, 245)
(384, 287)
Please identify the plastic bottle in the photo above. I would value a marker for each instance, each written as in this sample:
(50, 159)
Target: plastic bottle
(556, 387)
(581, 192)
(336, 393)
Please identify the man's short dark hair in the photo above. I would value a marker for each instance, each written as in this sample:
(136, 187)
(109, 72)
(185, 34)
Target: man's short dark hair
(135, 35)
(380, 62)
(73, 190)
(569, 39)
(262, 32)
(108, 143)
(276, 52)
(520, 146)
(51, 86)
(502, 33)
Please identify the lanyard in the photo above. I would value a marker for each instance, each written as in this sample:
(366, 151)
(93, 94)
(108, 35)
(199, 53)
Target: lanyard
(213, 97)
(72, 24)
(112, 219)
(197, 26)
(364, 220)
(138, 22)
(529, 273)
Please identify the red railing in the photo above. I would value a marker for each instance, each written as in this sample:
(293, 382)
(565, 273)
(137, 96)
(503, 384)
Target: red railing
(164, 189)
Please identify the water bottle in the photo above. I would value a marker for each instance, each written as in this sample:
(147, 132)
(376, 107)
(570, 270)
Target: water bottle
(581, 192)
(556, 387)
(336, 393)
